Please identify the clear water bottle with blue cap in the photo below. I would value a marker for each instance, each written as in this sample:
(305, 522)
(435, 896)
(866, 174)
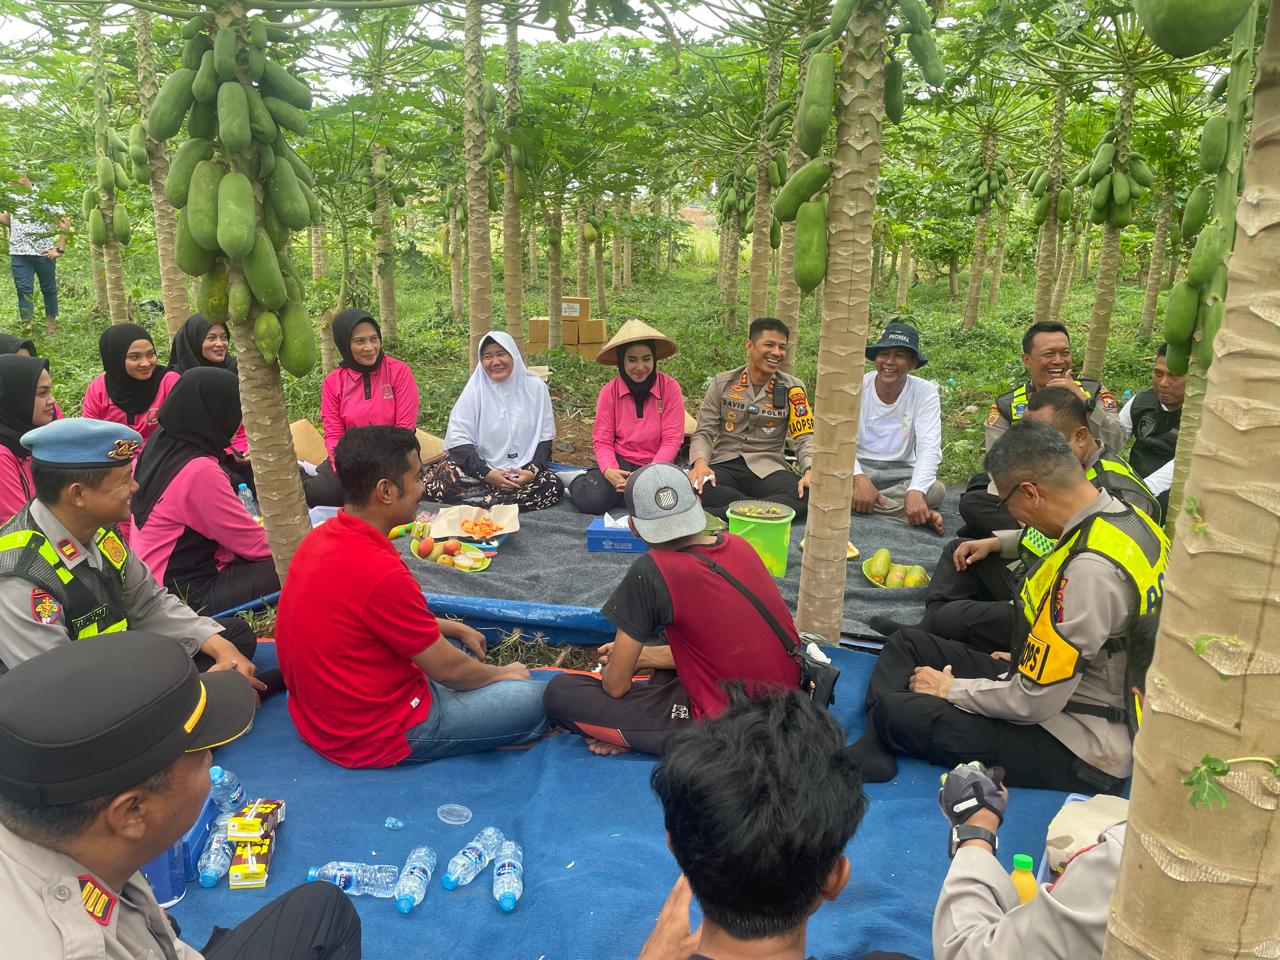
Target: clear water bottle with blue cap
(225, 789)
(371, 879)
(414, 877)
(508, 875)
(249, 500)
(215, 860)
(471, 859)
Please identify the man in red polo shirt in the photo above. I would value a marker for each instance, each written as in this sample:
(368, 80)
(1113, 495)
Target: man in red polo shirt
(714, 633)
(369, 686)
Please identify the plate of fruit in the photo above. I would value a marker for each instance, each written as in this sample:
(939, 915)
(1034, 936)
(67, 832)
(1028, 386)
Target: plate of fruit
(466, 557)
(880, 569)
(476, 523)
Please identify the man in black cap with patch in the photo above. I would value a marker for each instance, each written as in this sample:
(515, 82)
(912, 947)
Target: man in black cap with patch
(87, 796)
(895, 473)
(65, 571)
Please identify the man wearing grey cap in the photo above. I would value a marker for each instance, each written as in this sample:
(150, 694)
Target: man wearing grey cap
(87, 796)
(714, 601)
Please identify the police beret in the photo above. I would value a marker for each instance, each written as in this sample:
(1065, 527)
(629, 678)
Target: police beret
(93, 718)
(82, 442)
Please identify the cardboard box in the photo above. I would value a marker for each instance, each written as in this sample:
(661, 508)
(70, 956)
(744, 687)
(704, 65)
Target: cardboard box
(308, 445)
(568, 333)
(539, 327)
(576, 308)
(535, 346)
(592, 331)
(589, 351)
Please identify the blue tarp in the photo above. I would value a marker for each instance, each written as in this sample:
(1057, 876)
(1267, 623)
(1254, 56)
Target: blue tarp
(597, 868)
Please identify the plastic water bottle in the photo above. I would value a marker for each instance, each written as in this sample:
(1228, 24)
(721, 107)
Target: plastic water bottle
(215, 860)
(249, 500)
(414, 877)
(508, 875)
(225, 789)
(374, 879)
(471, 859)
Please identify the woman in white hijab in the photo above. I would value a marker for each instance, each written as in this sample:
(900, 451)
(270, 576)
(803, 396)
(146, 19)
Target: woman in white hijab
(498, 444)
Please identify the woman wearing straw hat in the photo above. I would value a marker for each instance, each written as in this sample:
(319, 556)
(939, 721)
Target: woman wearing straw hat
(639, 416)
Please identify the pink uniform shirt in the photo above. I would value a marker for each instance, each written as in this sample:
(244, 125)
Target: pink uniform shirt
(654, 438)
(99, 406)
(16, 487)
(393, 400)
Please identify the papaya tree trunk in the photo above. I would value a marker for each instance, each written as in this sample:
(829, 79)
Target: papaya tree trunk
(455, 266)
(655, 252)
(758, 296)
(977, 271)
(846, 306)
(555, 278)
(1066, 269)
(997, 262)
(615, 247)
(902, 259)
(319, 256)
(877, 263)
(384, 256)
(173, 282)
(1047, 255)
(512, 279)
(99, 281)
(953, 274)
(112, 261)
(626, 245)
(671, 235)
(1086, 239)
(1155, 271)
(533, 254)
(1205, 876)
(601, 305)
(479, 265)
(786, 293)
(1174, 256)
(582, 268)
(732, 256)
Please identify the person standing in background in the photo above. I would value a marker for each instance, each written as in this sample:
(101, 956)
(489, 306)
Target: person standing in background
(34, 247)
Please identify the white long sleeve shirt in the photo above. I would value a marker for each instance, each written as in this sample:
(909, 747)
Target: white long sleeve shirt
(909, 430)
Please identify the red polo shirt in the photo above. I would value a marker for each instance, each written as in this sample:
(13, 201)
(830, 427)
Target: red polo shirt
(350, 620)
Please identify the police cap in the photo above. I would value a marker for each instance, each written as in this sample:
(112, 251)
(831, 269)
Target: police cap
(92, 718)
(82, 442)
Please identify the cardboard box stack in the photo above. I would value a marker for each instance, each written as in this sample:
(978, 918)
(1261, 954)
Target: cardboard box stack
(579, 333)
(539, 334)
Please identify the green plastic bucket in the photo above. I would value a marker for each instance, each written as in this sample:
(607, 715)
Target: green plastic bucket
(767, 527)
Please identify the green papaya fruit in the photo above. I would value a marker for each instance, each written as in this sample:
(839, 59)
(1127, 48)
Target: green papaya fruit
(205, 86)
(258, 33)
(520, 183)
(810, 245)
(774, 181)
(1041, 184)
(233, 117)
(1177, 357)
(106, 172)
(1209, 252)
(202, 203)
(777, 110)
(280, 83)
(314, 210)
(818, 38)
(1066, 201)
(489, 99)
(195, 25)
(276, 230)
(780, 163)
(1098, 215)
(1040, 212)
(212, 298)
(1141, 172)
(257, 61)
(178, 182)
(97, 228)
(262, 272)
(1196, 211)
(589, 233)
(121, 178)
(1102, 160)
(266, 161)
(1081, 177)
(495, 201)
(239, 299)
(202, 122)
(268, 335)
(840, 16)
(237, 230)
(1101, 197)
(298, 347)
(1121, 215)
(287, 197)
(878, 566)
(1219, 88)
(193, 51)
(171, 104)
(261, 124)
(915, 14)
(893, 95)
(193, 259)
(1119, 188)
(813, 116)
(1210, 323)
(1180, 311)
(224, 53)
(88, 200)
(1185, 28)
(775, 128)
(287, 115)
(1213, 143)
(138, 144)
(897, 576)
(519, 158)
(803, 184)
(492, 150)
(925, 51)
(281, 148)
(775, 233)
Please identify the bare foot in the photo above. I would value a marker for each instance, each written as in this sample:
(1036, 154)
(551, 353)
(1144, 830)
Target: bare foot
(602, 748)
(935, 521)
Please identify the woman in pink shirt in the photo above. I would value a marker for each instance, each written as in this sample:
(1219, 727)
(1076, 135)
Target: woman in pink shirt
(26, 402)
(639, 417)
(367, 389)
(189, 526)
(131, 387)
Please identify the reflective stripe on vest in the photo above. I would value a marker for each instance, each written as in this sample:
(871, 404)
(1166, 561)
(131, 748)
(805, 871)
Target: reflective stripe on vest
(1047, 657)
(114, 554)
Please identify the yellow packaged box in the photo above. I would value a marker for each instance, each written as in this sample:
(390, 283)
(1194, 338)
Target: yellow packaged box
(256, 820)
(250, 862)
(576, 308)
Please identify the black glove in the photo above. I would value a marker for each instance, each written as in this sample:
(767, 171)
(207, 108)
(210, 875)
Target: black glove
(971, 787)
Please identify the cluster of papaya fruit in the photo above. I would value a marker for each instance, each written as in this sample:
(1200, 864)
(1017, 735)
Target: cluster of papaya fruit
(1119, 181)
(916, 24)
(111, 179)
(738, 195)
(1037, 182)
(882, 570)
(237, 184)
(620, 13)
(987, 184)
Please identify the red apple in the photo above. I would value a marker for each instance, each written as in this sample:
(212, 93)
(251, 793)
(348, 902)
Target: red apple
(452, 548)
(422, 548)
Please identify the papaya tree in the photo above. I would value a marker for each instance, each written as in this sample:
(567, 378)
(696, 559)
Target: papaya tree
(109, 226)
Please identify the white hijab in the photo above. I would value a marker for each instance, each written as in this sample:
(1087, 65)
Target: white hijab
(504, 421)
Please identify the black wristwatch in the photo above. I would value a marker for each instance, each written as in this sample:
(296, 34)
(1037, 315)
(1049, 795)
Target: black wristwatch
(965, 831)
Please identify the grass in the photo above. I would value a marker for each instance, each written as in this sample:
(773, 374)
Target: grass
(971, 367)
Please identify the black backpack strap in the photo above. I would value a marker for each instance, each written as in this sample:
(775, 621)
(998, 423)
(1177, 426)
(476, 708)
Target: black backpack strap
(792, 648)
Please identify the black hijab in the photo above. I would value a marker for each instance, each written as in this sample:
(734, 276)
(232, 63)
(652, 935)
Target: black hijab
(639, 391)
(198, 419)
(130, 395)
(11, 344)
(19, 377)
(344, 324)
(187, 350)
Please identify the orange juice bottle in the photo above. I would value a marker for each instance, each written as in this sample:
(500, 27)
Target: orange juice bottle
(1023, 877)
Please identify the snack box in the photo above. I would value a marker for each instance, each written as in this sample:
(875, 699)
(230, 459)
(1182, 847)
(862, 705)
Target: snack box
(256, 820)
(250, 862)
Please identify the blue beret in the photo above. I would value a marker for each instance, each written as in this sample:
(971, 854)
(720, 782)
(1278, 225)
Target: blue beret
(82, 442)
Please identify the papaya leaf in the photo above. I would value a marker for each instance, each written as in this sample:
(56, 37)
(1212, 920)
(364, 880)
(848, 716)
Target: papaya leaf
(1203, 780)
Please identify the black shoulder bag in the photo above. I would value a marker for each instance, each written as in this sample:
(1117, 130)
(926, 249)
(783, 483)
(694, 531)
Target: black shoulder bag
(817, 679)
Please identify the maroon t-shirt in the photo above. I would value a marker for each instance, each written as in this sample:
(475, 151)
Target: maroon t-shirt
(716, 634)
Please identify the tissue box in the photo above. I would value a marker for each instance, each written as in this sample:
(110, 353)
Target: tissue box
(605, 539)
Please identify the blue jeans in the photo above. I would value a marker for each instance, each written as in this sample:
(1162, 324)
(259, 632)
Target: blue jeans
(26, 269)
(502, 714)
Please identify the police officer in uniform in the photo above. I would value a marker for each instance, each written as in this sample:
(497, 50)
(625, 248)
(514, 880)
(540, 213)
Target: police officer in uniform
(1046, 355)
(1054, 713)
(89, 795)
(746, 419)
(973, 585)
(65, 572)
(1154, 418)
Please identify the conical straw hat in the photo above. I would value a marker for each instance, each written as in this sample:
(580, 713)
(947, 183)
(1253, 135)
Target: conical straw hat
(632, 331)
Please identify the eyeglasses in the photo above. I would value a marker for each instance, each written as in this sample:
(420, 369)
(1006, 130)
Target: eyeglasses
(1016, 489)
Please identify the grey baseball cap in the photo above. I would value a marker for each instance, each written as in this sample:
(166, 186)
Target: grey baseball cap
(662, 504)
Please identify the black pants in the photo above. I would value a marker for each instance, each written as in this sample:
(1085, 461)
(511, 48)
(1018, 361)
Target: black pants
(241, 635)
(981, 511)
(592, 493)
(236, 583)
(324, 489)
(971, 605)
(315, 921)
(928, 727)
(642, 719)
(736, 481)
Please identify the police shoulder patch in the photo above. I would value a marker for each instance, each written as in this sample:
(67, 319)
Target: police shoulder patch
(98, 902)
(993, 416)
(800, 418)
(44, 608)
(112, 548)
(1108, 401)
(68, 548)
